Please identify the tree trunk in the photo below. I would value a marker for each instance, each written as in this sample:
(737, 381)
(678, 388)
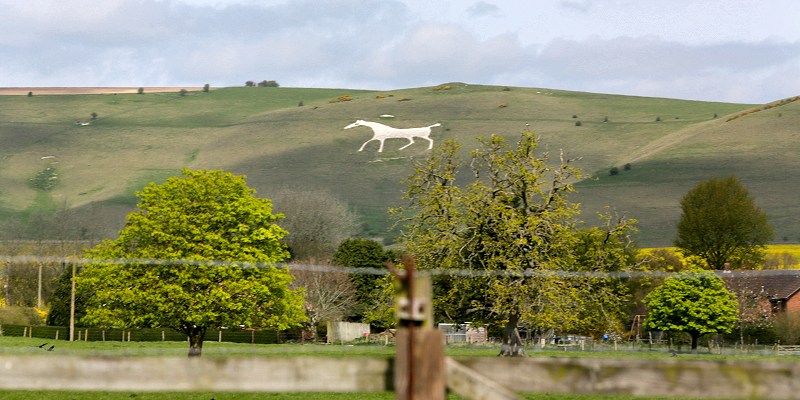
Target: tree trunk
(695, 336)
(512, 343)
(196, 336)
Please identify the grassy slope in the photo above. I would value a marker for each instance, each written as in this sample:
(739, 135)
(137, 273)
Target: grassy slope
(262, 133)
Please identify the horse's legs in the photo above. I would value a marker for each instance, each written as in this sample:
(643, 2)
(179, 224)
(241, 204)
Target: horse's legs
(365, 143)
(410, 142)
(380, 149)
(430, 146)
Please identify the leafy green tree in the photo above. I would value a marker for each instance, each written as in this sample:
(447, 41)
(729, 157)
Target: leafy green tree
(197, 231)
(720, 223)
(514, 238)
(59, 312)
(362, 253)
(695, 302)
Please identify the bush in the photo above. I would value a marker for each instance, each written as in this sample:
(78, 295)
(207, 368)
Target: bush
(577, 123)
(266, 83)
(45, 180)
(140, 90)
(14, 315)
(182, 92)
(787, 328)
(627, 167)
(658, 119)
(613, 171)
(205, 88)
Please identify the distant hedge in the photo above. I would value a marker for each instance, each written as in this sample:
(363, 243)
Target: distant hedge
(233, 335)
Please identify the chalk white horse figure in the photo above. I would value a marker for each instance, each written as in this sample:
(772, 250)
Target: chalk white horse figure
(382, 132)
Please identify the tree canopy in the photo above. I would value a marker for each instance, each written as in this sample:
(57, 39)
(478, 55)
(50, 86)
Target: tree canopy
(695, 302)
(513, 230)
(720, 223)
(364, 253)
(179, 262)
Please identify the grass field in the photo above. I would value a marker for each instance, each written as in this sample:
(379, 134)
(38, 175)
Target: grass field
(17, 345)
(266, 134)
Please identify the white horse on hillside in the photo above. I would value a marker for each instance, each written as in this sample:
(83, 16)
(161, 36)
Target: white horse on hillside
(382, 132)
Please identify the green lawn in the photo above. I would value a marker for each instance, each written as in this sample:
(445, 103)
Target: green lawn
(19, 345)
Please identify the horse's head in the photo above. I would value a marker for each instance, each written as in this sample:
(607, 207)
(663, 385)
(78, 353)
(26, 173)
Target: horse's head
(359, 122)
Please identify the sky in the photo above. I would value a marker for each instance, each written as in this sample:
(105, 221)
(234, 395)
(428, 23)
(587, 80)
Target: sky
(743, 51)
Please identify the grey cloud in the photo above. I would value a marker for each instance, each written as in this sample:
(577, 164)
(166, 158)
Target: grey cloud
(482, 9)
(653, 67)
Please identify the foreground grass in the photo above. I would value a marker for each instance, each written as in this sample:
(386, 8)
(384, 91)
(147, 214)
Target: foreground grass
(22, 346)
(43, 395)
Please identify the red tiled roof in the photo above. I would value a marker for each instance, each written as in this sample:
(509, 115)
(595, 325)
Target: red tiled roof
(775, 284)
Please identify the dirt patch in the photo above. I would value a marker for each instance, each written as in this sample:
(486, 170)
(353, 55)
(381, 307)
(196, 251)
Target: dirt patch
(21, 91)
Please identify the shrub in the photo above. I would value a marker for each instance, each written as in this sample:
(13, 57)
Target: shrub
(300, 104)
(574, 115)
(787, 328)
(342, 98)
(605, 119)
(577, 123)
(205, 88)
(94, 115)
(249, 83)
(266, 83)
(658, 119)
(502, 105)
(627, 167)
(15, 315)
(182, 92)
(45, 180)
(140, 90)
(30, 94)
(613, 171)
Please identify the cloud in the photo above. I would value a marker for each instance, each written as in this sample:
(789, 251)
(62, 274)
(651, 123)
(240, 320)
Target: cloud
(653, 67)
(483, 9)
(402, 43)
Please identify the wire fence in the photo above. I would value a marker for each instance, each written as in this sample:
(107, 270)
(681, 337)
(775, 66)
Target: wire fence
(230, 335)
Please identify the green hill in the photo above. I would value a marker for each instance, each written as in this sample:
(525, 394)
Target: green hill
(293, 137)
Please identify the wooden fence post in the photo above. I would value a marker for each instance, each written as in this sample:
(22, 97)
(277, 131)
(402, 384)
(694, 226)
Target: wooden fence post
(419, 372)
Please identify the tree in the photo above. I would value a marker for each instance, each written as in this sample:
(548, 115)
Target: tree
(367, 254)
(720, 224)
(60, 304)
(330, 295)
(317, 222)
(513, 238)
(184, 252)
(695, 302)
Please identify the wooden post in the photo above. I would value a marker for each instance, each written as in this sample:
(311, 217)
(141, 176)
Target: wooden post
(72, 306)
(421, 365)
(419, 372)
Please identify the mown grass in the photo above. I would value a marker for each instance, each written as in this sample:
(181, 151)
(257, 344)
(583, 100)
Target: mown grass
(44, 395)
(18, 345)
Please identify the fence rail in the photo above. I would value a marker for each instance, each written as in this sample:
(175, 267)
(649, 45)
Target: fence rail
(671, 377)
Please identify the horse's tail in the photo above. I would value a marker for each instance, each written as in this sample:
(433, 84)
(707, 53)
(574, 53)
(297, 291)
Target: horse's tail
(436, 124)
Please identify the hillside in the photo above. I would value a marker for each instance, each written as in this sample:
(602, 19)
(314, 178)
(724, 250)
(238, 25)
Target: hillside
(293, 137)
